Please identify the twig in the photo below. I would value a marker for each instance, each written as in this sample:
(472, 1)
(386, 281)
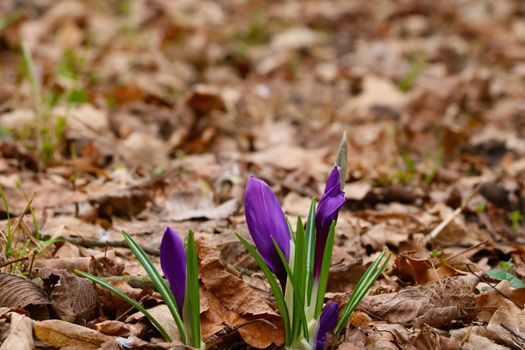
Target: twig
(31, 264)
(467, 250)
(494, 287)
(519, 336)
(13, 261)
(91, 243)
(433, 234)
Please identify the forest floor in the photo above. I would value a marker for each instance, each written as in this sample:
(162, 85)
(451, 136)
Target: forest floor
(138, 115)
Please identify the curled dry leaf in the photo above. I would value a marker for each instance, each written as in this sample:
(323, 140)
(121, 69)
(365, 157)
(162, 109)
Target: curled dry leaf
(18, 291)
(436, 304)
(116, 328)
(474, 338)
(162, 314)
(73, 298)
(20, 333)
(61, 334)
(103, 266)
(504, 312)
(235, 296)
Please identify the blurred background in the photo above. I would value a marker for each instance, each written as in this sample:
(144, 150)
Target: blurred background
(430, 93)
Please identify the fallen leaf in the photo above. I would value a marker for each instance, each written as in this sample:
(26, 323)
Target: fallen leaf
(72, 297)
(377, 92)
(205, 98)
(436, 304)
(20, 335)
(115, 328)
(18, 291)
(103, 266)
(235, 296)
(61, 334)
(163, 315)
(183, 206)
(474, 338)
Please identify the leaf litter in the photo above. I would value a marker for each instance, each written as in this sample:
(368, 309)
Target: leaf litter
(136, 115)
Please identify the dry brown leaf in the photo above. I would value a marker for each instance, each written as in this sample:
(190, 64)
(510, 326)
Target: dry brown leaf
(20, 333)
(205, 98)
(18, 291)
(73, 298)
(475, 338)
(507, 325)
(103, 266)
(69, 264)
(144, 150)
(488, 301)
(377, 92)
(378, 236)
(235, 296)
(115, 328)
(387, 337)
(436, 304)
(162, 314)
(430, 338)
(61, 333)
(183, 206)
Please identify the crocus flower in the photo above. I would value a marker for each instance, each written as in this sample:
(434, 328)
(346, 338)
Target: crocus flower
(173, 263)
(327, 321)
(265, 220)
(327, 210)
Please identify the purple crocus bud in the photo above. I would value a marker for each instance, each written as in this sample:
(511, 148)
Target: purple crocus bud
(265, 219)
(173, 263)
(327, 321)
(327, 210)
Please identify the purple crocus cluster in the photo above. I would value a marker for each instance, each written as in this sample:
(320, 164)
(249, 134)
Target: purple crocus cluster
(266, 221)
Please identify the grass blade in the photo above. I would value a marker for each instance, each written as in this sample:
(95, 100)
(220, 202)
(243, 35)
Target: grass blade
(362, 287)
(7, 249)
(129, 300)
(274, 285)
(191, 302)
(310, 250)
(300, 271)
(160, 284)
(325, 270)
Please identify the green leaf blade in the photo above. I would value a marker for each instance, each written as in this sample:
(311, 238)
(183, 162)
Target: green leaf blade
(310, 250)
(129, 300)
(362, 287)
(325, 270)
(192, 304)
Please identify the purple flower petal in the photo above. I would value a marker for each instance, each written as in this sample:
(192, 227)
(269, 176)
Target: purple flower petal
(327, 321)
(265, 219)
(173, 263)
(327, 211)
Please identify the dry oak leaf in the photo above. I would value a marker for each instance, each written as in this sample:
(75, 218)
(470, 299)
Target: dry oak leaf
(436, 304)
(475, 338)
(18, 291)
(112, 327)
(20, 333)
(507, 324)
(61, 333)
(235, 295)
(73, 298)
(163, 315)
